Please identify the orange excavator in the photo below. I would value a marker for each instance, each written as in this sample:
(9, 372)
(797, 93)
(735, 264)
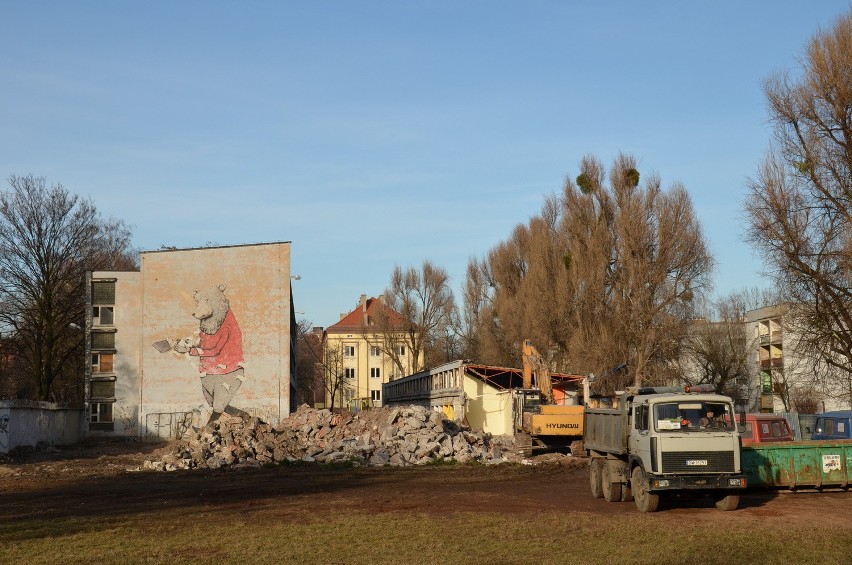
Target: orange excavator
(540, 419)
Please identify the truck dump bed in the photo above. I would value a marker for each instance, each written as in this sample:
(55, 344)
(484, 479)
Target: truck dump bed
(603, 430)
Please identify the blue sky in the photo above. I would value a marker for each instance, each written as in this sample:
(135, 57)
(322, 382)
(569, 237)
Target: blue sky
(372, 134)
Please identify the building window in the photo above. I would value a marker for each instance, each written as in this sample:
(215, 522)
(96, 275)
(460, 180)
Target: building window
(349, 351)
(375, 351)
(102, 362)
(101, 412)
(400, 350)
(103, 315)
(375, 373)
(103, 292)
(349, 372)
(103, 340)
(766, 382)
(376, 395)
(101, 389)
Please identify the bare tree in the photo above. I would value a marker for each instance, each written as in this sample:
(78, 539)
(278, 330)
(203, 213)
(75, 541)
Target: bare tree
(309, 361)
(521, 291)
(799, 208)
(806, 400)
(333, 374)
(639, 260)
(49, 238)
(719, 348)
(417, 313)
(606, 276)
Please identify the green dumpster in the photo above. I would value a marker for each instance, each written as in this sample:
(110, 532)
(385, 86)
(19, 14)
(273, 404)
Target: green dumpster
(798, 464)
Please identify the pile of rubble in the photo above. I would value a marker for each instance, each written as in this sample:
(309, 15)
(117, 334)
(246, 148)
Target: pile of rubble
(397, 436)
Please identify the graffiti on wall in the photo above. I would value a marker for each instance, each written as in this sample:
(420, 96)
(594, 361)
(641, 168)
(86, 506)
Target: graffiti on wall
(125, 416)
(169, 425)
(217, 346)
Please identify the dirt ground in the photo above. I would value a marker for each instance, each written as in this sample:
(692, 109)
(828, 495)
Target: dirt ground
(107, 478)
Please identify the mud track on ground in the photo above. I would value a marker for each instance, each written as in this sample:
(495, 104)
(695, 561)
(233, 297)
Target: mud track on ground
(106, 478)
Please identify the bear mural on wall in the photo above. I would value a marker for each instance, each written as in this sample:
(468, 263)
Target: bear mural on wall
(219, 349)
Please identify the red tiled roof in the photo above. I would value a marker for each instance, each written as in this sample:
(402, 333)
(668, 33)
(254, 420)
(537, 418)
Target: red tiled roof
(354, 321)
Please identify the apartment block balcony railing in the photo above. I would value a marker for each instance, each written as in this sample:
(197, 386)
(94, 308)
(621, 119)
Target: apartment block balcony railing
(774, 363)
(776, 336)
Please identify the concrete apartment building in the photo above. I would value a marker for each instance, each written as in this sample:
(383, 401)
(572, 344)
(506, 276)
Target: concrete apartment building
(194, 335)
(366, 365)
(780, 370)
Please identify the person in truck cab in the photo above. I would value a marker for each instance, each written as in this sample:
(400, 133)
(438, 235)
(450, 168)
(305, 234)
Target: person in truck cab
(710, 419)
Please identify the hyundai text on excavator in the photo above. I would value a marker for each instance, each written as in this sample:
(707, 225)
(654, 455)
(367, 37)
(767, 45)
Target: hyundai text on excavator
(546, 414)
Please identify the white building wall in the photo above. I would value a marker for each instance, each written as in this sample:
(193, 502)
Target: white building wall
(27, 424)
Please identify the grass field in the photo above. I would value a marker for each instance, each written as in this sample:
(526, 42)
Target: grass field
(264, 536)
(96, 510)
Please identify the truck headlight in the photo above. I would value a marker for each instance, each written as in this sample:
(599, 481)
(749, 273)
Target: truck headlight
(737, 482)
(661, 483)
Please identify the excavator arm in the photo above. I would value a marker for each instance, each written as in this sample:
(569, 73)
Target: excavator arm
(535, 364)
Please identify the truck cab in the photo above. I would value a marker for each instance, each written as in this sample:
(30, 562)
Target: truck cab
(766, 428)
(687, 436)
(833, 425)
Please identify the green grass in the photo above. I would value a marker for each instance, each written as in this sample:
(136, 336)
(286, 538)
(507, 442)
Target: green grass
(270, 534)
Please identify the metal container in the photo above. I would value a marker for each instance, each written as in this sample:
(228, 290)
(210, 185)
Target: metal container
(798, 464)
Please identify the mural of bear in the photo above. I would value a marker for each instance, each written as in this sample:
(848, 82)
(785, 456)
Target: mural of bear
(219, 348)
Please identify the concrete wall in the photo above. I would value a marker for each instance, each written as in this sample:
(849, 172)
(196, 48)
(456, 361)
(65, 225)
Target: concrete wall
(26, 423)
(256, 283)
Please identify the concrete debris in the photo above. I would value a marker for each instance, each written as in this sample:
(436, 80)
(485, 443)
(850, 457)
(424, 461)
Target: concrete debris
(395, 436)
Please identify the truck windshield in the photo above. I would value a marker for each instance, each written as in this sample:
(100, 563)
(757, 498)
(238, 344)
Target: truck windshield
(700, 416)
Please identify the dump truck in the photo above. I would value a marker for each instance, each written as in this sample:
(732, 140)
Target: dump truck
(660, 441)
(540, 422)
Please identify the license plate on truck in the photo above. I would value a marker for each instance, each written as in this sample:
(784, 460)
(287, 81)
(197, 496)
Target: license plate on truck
(696, 462)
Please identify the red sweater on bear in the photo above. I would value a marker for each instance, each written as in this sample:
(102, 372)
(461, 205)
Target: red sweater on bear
(221, 352)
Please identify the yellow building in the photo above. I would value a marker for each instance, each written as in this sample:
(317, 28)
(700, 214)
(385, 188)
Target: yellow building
(356, 349)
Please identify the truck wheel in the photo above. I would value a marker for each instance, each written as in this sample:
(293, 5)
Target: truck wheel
(595, 466)
(646, 501)
(611, 489)
(728, 502)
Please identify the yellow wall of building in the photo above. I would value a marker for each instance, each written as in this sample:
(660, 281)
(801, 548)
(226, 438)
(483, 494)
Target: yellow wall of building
(488, 408)
(364, 385)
